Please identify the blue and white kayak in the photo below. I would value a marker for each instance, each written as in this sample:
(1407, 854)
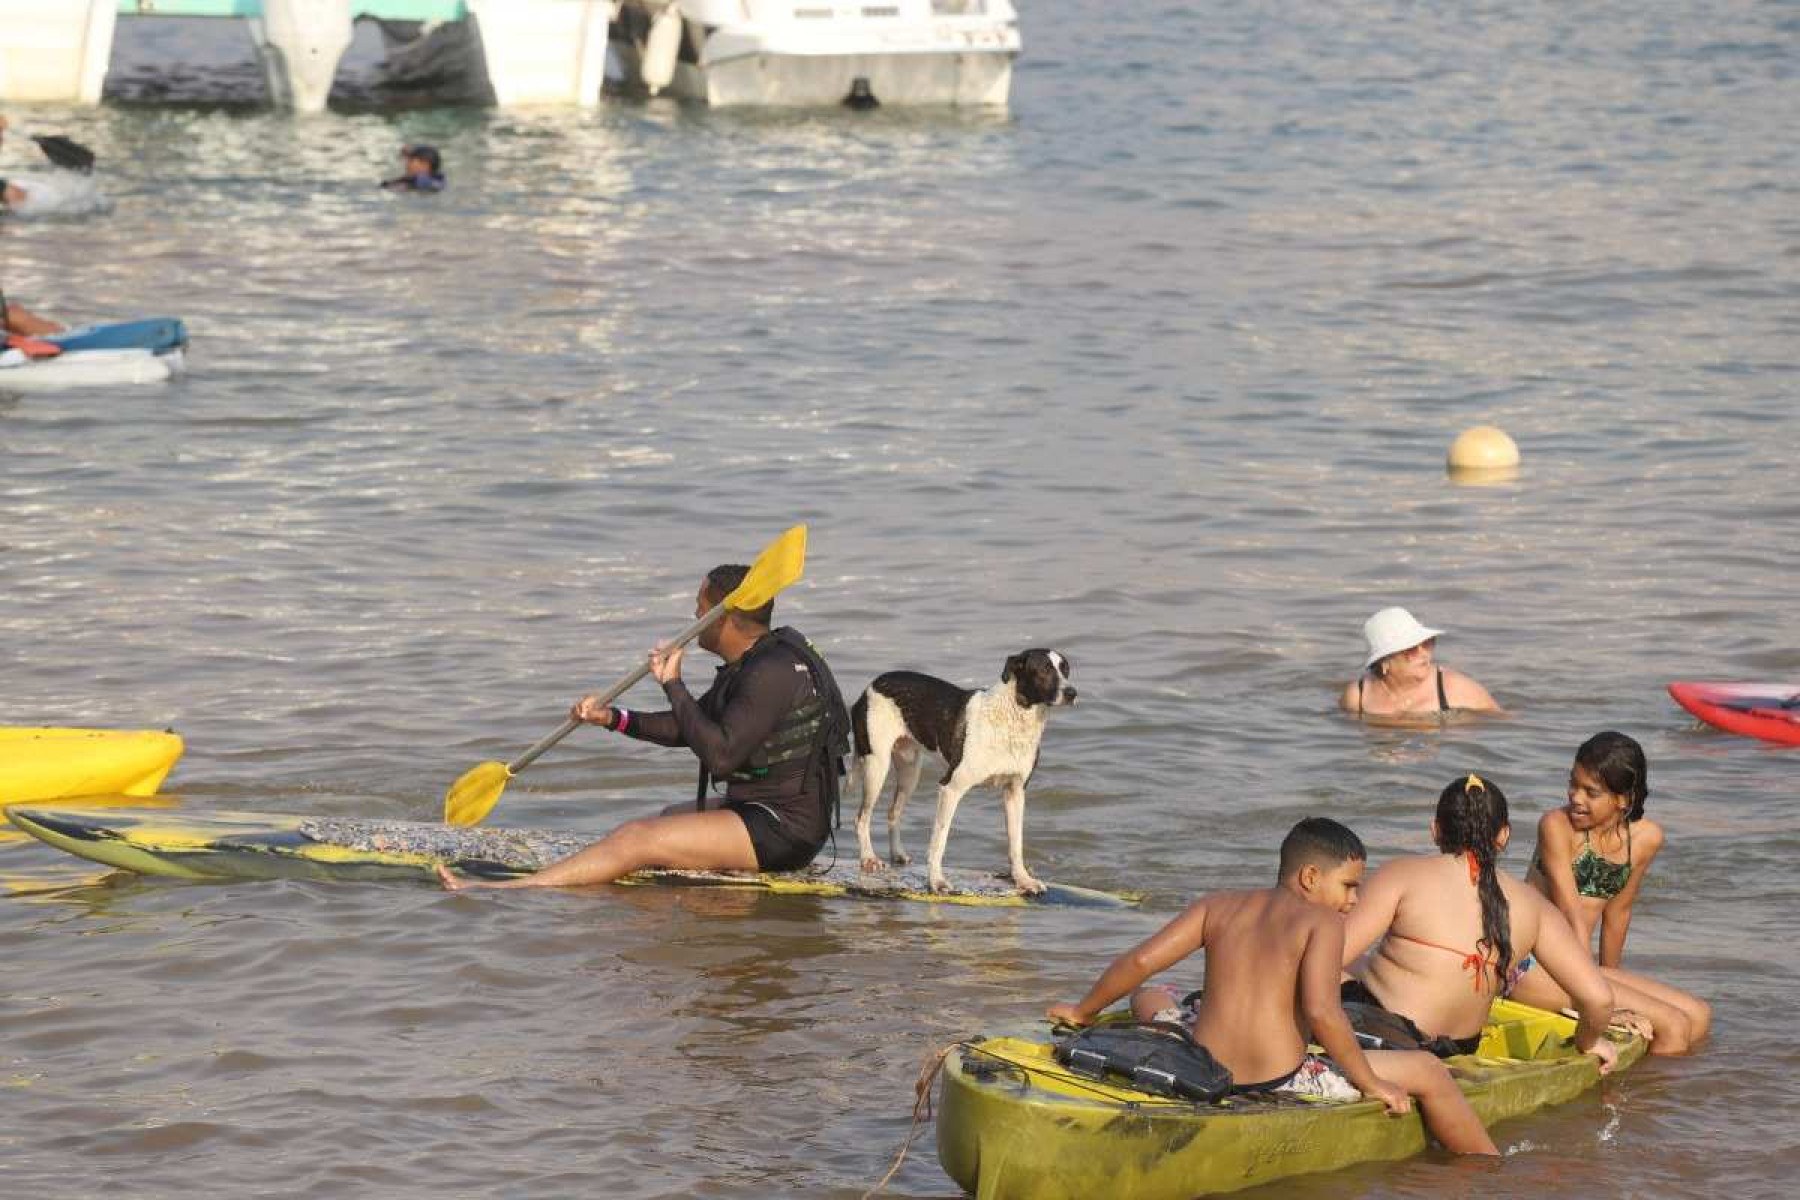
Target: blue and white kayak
(124, 352)
(155, 334)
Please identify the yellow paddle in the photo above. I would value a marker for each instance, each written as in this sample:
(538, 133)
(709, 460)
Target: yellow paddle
(473, 796)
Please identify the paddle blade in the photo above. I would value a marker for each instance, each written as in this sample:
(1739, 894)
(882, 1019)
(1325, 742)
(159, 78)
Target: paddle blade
(472, 798)
(781, 563)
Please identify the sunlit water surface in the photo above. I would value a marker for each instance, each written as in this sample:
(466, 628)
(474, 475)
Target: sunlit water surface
(1159, 371)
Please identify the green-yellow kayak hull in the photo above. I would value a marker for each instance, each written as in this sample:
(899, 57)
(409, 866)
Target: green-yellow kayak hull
(1014, 1124)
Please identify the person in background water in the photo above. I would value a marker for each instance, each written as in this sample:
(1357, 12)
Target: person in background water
(1450, 932)
(1401, 677)
(423, 170)
(1591, 859)
(773, 728)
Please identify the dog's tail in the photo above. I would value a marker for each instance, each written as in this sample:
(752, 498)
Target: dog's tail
(859, 725)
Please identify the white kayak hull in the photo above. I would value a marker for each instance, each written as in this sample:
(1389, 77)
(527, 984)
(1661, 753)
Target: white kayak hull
(87, 368)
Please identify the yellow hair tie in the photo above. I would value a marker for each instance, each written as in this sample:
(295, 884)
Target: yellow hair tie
(1474, 783)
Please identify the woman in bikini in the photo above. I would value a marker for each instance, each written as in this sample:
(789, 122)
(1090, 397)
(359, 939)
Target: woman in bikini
(1592, 856)
(1401, 678)
(1450, 932)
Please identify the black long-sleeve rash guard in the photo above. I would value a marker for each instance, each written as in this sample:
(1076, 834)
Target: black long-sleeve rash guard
(771, 681)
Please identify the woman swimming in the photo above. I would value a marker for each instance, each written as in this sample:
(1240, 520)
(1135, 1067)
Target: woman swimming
(1591, 859)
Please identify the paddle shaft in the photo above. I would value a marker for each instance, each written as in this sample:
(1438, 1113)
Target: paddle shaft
(709, 617)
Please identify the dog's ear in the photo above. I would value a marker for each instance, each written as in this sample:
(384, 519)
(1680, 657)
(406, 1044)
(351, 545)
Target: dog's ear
(1014, 666)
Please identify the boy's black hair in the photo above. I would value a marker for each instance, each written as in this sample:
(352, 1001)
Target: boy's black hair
(1321, 842)
(724, 579)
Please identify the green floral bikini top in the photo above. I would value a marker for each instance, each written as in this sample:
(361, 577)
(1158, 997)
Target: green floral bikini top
(1596, 876)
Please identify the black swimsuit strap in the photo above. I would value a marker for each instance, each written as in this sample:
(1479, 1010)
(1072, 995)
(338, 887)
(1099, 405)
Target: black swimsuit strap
(1443, 700)
(1360, 679)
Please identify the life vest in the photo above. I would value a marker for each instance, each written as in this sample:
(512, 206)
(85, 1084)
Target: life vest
(813, 736)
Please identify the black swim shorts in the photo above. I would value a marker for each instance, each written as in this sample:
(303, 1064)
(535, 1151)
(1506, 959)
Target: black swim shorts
(776, 848)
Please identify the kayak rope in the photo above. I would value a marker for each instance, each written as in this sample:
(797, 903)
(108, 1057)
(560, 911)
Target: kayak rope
(928, 1073)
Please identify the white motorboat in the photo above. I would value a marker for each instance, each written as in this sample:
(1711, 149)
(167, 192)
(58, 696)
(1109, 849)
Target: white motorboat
(810, 52)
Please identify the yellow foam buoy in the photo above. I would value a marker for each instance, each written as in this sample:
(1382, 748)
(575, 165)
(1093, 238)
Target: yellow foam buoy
(1483, 454)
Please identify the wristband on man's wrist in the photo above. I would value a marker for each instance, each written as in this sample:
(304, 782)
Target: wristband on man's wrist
(621, 720)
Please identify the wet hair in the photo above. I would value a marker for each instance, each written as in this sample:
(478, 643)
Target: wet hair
(724, 579)
(1618, 762)
(1470, 815)
(1319, 842)
(429, 153)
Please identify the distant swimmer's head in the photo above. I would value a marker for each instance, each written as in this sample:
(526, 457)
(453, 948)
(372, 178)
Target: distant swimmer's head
(1394, 631)
(1324, 862)
(422, 157)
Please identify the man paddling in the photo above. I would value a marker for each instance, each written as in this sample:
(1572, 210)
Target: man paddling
(772, 727)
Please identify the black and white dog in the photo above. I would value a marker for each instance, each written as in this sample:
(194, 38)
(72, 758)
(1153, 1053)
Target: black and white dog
(983, 737)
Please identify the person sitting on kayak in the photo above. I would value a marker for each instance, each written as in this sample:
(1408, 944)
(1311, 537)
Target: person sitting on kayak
(1591, 859)
(1455, 933)
(422, 170)
(1272, 958)
(772, 726)
(20, 329)
(1400, 677)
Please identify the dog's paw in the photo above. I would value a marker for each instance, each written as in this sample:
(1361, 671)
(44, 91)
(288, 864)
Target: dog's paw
(1028, 884)
(871, 864)
(940, 886)
(900, 858)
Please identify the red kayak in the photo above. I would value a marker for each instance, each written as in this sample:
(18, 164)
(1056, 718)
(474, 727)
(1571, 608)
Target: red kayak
(1770, 711)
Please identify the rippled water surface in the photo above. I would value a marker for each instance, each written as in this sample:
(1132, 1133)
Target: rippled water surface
(1160, 371)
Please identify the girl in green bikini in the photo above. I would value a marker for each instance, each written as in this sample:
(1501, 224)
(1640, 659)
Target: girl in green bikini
(1592, 856)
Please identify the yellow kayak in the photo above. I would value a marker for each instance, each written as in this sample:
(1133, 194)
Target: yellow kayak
(1015, 1123)
(53, 764)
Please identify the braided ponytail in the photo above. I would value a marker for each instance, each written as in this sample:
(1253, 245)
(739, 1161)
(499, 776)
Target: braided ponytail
(1470, 815)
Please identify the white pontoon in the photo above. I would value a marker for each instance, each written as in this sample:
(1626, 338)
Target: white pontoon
(812, 52)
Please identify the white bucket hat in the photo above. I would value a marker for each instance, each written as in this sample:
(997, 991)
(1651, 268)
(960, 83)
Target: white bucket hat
(1392, 630)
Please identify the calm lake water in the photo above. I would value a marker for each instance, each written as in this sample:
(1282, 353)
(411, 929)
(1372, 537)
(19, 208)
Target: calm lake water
(1158, 370)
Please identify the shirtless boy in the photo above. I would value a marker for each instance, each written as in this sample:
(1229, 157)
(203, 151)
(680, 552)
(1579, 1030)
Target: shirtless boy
(1272, 961)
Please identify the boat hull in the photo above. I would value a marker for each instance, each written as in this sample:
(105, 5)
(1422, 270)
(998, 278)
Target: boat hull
(54, 763)
(1014, 1123)
(1770, 711)
(902, 54)
(89, 368)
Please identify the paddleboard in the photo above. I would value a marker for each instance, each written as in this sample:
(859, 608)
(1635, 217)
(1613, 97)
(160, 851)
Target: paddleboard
(244, 845)
(1770, 711)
